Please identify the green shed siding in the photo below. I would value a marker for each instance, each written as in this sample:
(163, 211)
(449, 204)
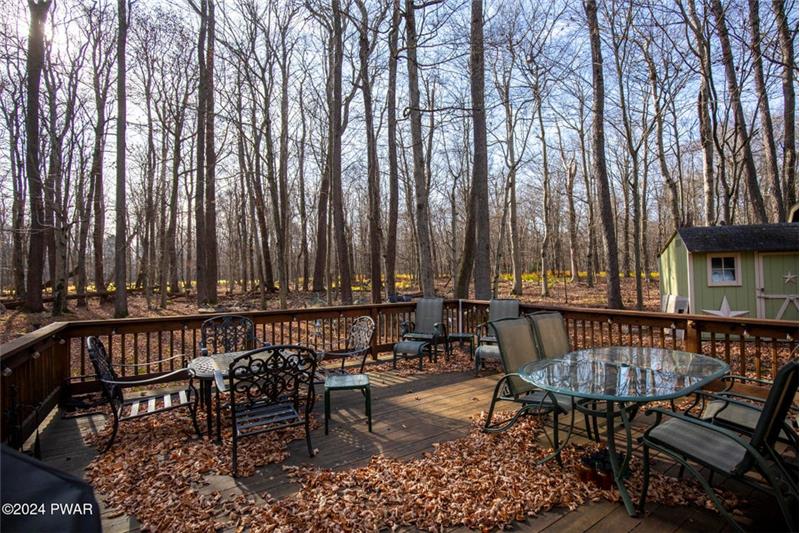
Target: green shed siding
(673, 269)
(740, 298)
(775, 268)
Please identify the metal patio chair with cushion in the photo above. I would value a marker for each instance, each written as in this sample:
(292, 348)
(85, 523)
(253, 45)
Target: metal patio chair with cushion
(428, 325)
(487, 344)
(727, 452)
(359, 343)
(518, 346)
(139, 406)
(228, 333)
(270, 388)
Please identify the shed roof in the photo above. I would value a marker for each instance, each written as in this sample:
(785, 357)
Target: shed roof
(745, 238)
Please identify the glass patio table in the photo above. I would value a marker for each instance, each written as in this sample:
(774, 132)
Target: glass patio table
(623, 377)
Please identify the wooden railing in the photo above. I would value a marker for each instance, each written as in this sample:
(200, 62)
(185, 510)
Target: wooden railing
(51, 363)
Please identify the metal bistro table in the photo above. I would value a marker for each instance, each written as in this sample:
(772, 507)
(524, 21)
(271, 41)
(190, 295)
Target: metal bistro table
(204, 367)
(623, 377)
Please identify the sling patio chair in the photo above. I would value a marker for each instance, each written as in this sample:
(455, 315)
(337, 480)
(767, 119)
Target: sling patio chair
(499, 308)
(271, 388)
(518, 346)
(428, 325)
(138, 406)
(729, 453)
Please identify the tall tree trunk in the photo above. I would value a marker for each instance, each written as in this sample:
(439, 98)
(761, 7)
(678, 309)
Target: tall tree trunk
(210, 251)
(599, 159)
(373, 172)
(200, 159)
(480, 165)
(301, 178)
(391, 125)
(786, 40)
(767, 134)
(120, 218)
(345, 281)
(545, 194)
(420, 185)
(751, 177)
(33, 70)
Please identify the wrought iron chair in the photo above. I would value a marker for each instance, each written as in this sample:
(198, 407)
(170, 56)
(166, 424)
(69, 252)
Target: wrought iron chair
(518, 346)
(271, 388)
(359, 342)
(139, 406)
(727, 452)
(428, 324)
(228, 333)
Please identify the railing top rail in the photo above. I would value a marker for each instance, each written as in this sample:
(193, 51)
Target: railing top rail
(29, 340)
(653, 314)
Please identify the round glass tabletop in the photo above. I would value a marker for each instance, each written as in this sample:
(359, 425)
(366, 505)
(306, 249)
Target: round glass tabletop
(624, 373)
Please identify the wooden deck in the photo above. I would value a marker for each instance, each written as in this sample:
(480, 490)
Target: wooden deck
(410, 413)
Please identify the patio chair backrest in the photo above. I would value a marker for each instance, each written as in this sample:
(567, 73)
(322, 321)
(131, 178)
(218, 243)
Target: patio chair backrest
(429, 311)
(273, 375)
(517, 347)
(361, 332)
(103, 369)
(227, 333)
(551, 333)
(776, 407)
(503, 308)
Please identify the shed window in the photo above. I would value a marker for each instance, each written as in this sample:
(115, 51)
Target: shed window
(723, 270)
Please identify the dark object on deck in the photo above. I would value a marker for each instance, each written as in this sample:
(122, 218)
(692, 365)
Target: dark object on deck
(428, 325)
(139, 406)
(411, 349)
(43, 498)
(399, 298)
(723, 451)
(271, 388)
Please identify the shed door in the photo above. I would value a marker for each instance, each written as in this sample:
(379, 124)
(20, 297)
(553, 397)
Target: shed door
(776, 286)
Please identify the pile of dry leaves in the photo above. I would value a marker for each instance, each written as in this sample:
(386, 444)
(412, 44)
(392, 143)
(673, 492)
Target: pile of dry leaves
(157, 465)
(156, 471)
(479, 481)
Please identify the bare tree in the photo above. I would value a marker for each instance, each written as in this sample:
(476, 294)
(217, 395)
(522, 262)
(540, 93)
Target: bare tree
(599, 158)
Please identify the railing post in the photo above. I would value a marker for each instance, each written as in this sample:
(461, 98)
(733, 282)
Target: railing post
(62, 361)
(373, 312)
(692, 339)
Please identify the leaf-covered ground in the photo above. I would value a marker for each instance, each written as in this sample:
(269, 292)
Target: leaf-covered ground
(157, 469)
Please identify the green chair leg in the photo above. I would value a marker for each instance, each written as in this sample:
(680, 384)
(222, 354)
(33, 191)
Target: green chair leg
(369, 408)
(327, 408)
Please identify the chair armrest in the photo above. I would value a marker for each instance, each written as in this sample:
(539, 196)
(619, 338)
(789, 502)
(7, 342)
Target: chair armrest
(181, 356)
(482, 329)
(137, 383)
(343, 353)
(406, 326)
(440, 329)
(731, 379)
(203, 350)
(219, 379)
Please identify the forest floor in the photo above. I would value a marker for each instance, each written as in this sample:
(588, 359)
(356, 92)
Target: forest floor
(14, 322)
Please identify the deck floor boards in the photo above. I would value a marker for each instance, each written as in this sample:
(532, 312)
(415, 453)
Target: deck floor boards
(410, 414)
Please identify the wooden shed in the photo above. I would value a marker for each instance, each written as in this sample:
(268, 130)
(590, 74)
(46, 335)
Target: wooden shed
(748, 270)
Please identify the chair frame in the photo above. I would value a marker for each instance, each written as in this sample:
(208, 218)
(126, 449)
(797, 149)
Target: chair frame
(482, 329)
(353, 349)
(439, 335)
(112, 387)
(270, 379)
(503, 391)
(237, 332)
(759, 451)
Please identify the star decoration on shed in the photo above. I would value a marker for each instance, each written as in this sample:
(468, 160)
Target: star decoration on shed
(725, 310)
(789, 277)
